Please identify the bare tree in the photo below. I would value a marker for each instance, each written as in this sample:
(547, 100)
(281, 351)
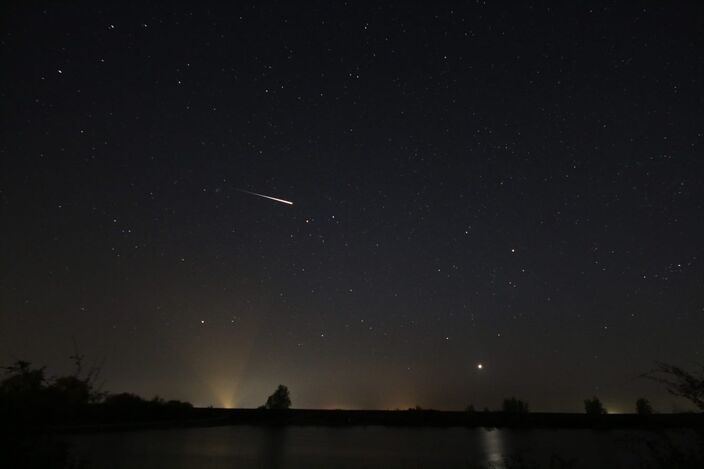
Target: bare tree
(679, 382)
(82, 385)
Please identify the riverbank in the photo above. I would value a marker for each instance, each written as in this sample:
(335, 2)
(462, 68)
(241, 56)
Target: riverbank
(206, 417)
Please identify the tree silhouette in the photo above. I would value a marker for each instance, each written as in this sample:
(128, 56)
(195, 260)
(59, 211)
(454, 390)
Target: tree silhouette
(594, 406)
(23, 394)
(643, 407)
(280, 399)
(514, 406)
(22, 379)
(680, 382)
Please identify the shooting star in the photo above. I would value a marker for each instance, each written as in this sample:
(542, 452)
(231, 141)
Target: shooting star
(287, 202)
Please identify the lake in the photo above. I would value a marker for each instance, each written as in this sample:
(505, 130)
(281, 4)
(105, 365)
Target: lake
(362, 447)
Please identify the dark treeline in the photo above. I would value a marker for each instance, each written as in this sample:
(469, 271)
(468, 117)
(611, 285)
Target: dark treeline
(29, 397)
(34, 406)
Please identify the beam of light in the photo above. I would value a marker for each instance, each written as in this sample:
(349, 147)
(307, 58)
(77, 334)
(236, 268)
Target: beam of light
(287, 202)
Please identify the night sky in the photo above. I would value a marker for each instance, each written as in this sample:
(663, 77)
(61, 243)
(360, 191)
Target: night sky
(513, 185)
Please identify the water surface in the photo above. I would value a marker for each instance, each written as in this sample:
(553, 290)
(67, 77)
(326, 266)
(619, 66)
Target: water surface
(357, 447)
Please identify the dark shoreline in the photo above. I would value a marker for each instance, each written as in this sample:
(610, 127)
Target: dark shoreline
(208, 417)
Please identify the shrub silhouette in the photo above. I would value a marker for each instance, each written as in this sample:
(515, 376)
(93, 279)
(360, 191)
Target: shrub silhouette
(514, 406)
(70, 391)
(279, 400)
(594, 406)
(127, 406)
(22, 379)
(23, 394)
(28, 397)
(643, 407)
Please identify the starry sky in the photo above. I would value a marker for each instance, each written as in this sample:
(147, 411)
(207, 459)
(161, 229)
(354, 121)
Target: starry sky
(516, 185)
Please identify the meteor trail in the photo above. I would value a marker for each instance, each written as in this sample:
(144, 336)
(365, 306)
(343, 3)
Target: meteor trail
(287, 202)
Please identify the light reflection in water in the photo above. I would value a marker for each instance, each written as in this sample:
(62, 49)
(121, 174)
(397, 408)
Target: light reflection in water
(493, 446)
(272, 454)
(262, 447)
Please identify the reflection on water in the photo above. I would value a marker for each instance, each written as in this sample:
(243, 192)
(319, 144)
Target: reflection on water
(349, 447)
(272, 451)
(493, 448)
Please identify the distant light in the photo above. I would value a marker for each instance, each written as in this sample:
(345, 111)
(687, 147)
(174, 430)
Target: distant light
(480, 366)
